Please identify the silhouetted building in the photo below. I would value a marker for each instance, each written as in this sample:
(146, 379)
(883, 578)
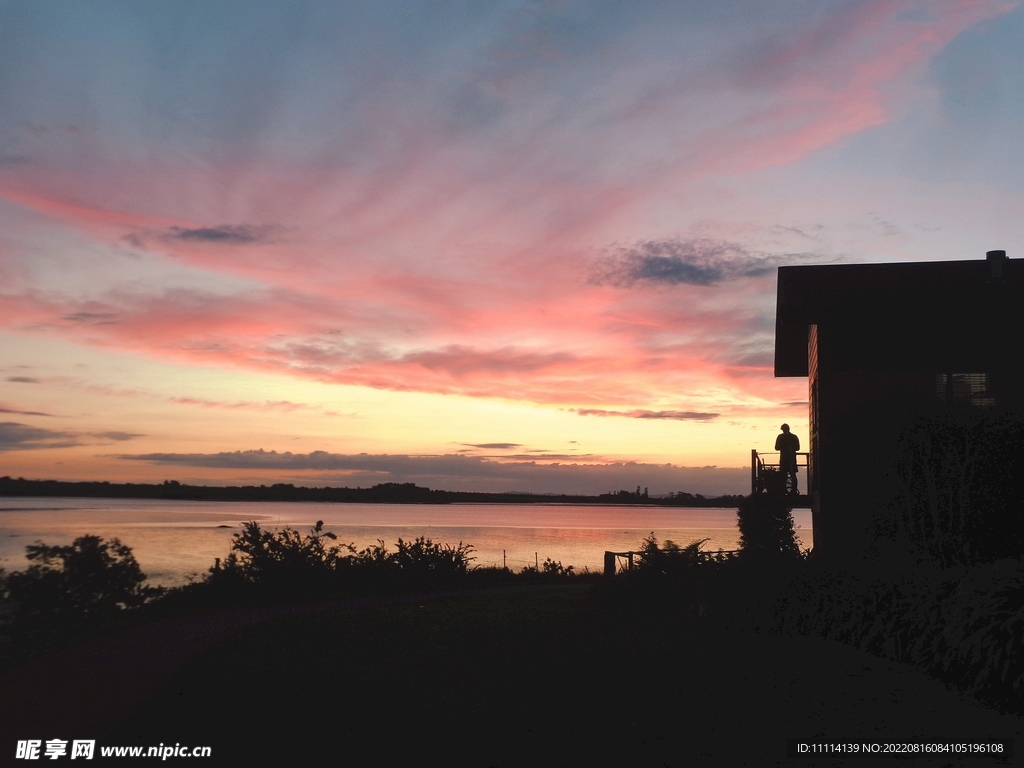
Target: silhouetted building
(881, 341)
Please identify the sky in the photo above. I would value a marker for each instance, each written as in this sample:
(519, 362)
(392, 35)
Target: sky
(503, 246)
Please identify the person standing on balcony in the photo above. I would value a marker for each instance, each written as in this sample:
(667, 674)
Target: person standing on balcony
(787, 444)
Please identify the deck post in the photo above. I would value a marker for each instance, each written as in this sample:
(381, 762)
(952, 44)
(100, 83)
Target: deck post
(609, 563)
(753, 471)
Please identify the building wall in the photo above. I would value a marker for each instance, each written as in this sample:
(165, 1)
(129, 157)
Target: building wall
(856, 420)
(813, 438)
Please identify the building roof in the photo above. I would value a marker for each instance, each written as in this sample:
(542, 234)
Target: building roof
(905, 316)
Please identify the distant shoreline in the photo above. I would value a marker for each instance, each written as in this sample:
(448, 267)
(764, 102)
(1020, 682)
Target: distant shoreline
(384, 493)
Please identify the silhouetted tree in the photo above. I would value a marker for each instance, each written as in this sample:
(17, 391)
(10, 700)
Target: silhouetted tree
(766, 526)
(86, 578)
(284, 557)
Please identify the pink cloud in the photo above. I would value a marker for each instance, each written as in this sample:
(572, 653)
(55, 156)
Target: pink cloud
(281, 334)
(442, 260)
(285, 406)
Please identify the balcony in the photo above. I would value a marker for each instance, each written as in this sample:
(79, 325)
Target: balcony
(767, 477)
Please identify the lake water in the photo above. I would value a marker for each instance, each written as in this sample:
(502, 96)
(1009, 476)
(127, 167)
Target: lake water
(174, 540)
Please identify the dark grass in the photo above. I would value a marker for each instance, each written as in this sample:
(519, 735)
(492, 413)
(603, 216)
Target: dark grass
(565, 677)
(470, 681)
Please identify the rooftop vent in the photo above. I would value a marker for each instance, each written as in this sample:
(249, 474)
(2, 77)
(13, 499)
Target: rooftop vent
(995, 260)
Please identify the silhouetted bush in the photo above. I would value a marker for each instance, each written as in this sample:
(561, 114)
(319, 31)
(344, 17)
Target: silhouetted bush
(669, 559)
(282, 558)
(90, 577)
(418, 561)
(286, 561)
(553, 569)
(964, 625)
(766, 526)
(957, 482)
(550, 571)
(668, 580)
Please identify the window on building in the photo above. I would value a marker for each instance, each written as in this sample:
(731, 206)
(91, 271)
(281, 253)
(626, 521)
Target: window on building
(972, 388)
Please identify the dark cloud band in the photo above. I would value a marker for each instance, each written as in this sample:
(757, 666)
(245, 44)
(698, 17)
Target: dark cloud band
(461, 472)
(690, 262)
(6, 409)
(225, 233)
(15, 436)
(116, 435)
(22, 437)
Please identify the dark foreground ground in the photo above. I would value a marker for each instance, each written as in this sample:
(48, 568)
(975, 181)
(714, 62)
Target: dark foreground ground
(564, 677)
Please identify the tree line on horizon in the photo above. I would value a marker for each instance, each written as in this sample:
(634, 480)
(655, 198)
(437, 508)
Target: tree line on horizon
(382, 493)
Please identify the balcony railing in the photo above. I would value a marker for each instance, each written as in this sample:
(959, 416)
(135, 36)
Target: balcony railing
(767, 477)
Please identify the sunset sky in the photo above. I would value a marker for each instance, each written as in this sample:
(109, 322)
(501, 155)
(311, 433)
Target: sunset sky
(473, 245)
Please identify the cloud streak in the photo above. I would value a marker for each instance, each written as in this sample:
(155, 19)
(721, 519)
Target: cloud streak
(225, 233)
(702, 261)
(21, 437)
(15, 436)
(460, 472)
(286, 406)
(116, 435)
(8, 409)
(645, 414)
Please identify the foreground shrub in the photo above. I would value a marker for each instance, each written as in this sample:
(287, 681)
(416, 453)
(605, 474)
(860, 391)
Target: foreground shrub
(312, 565)
(964, 625)
(555, 570)
(420, 560)
(90, 577)
(957, 480)
(549, 571)
(282, 558)
(766, 526)
(669, 559)
(668, 579)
